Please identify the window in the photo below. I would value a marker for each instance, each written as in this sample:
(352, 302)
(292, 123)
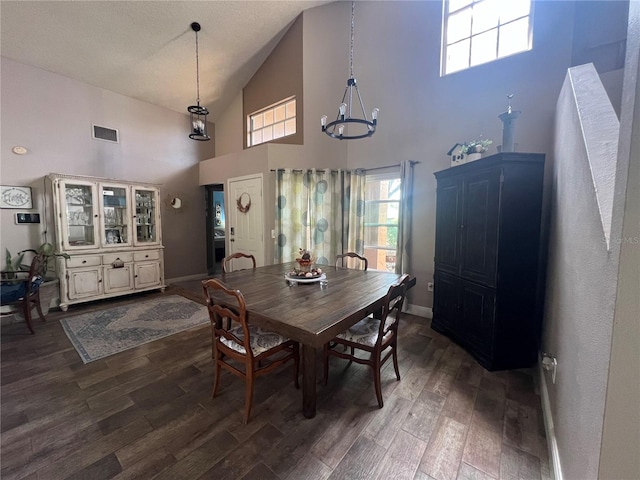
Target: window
(382, 210)
(480, 31)
(273, 122)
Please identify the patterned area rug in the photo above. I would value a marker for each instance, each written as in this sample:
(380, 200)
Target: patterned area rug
(99, 334)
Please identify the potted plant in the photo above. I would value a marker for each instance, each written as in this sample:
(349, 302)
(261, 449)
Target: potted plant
(475, 148)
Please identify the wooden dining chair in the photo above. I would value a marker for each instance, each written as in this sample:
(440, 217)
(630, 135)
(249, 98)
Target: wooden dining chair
(344, 260)
(237, 259)
(374, 336)
(246, 344)
(21, 289)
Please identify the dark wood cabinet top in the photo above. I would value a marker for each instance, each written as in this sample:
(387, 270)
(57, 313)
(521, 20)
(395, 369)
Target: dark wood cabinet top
(492, 161)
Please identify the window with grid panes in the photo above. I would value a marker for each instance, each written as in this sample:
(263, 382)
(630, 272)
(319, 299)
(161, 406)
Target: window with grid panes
(271, 123)
(480, 31)
(382, 211)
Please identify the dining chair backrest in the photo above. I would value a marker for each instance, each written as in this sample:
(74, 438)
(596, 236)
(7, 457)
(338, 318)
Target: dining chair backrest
(20, 291)
(222, 314)
(352, 260)
(238, 261)
(393, 308)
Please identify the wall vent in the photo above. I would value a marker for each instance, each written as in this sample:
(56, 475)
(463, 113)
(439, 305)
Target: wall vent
(105, 133)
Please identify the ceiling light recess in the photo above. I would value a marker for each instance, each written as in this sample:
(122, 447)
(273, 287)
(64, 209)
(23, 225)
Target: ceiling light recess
(345, 126)
(198, 114)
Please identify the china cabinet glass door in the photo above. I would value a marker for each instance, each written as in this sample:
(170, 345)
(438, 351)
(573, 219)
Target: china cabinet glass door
(146, 216)
(115, 215)
(79, 222)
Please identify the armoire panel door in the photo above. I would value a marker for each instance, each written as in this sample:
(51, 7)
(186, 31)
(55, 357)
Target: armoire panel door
(445, 301)
(479, 229)
(448, 210)
(476, 320)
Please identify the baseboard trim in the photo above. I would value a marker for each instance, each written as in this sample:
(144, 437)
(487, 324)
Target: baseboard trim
(552, 443)
(419, 311)
(198, 276)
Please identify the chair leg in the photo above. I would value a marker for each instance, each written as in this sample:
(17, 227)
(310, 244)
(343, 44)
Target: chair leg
(376, 382)
(26, 312)
(248, 397)
(36, 299)
(395, 361)
(216, 382)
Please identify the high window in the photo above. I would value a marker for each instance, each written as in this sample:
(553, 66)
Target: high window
(275, 121)
(480, 31)
(382, 211)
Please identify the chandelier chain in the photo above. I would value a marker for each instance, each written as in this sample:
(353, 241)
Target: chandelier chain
(353, 21)
(197, 72)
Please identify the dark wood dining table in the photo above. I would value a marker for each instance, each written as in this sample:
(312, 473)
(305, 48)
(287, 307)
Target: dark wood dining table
(310, 313)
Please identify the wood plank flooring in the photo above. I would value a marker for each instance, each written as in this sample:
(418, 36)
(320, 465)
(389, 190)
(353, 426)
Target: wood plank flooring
(147, 413)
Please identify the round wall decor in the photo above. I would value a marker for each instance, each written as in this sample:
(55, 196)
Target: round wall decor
(243, 207)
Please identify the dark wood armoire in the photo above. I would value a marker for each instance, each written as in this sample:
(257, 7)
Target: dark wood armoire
(487, 252)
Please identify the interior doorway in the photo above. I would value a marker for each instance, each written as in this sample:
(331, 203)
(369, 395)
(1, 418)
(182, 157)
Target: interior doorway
(216, 227)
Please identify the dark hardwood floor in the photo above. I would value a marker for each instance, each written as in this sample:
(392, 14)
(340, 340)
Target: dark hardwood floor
(147, 413)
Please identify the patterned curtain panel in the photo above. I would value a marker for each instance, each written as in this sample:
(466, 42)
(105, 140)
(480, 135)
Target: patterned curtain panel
(406, 213)
(308, 214)
(353, 224)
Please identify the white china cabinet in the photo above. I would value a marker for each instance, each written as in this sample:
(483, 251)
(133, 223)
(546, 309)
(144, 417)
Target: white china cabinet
(112, 233)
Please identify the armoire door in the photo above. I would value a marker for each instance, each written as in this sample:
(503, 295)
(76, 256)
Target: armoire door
(448, 212)
(479, 227)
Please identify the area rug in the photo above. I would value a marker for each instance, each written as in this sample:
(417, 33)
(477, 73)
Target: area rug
(99, 334)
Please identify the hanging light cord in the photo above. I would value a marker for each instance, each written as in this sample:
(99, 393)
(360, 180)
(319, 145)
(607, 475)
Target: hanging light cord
(197, 72)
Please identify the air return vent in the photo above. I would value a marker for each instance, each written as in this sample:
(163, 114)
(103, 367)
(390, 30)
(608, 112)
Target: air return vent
(105, 133)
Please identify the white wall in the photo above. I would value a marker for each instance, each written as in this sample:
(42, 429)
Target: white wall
(621, 430)
(51, 116)
(581, 284)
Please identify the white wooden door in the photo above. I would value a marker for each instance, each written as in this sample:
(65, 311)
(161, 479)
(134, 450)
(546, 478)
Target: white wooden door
(245, 216)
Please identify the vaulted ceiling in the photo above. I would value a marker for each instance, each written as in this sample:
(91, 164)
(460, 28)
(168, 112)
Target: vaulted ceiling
(146, 49)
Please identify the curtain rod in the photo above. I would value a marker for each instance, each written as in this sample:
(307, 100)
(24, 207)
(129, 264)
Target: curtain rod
(297, 170)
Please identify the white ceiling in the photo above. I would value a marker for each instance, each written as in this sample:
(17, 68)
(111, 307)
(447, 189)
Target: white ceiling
(146, 49)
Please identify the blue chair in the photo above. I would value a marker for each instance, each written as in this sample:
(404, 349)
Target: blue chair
(21, 290)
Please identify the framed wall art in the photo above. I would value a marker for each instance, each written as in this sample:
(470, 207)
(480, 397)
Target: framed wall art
(15, 197)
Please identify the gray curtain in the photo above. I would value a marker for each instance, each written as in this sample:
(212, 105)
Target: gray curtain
(406, 214)
(353, 222)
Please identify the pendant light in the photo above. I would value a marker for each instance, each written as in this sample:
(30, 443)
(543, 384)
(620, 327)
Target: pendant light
(198, 114)
(345, 126)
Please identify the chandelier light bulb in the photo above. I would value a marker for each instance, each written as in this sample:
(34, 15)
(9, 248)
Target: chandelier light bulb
(198, 127)
(323, 121)
(374, 113)
(341, 129)
(342, 109)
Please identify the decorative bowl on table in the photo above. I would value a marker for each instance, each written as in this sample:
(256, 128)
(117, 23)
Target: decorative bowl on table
(298, 274)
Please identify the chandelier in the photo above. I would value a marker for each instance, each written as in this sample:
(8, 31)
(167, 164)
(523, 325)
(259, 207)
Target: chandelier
(345, 126)
(198, 114)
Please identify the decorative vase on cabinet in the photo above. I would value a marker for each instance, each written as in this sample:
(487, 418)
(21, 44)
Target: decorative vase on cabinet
(111, 231)
(488, 215)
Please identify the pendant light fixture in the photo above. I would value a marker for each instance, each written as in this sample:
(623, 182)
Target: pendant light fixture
(198, 114)
(345, 126)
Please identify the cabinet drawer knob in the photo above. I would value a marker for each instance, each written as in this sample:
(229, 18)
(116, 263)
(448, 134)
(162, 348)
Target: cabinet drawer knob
(84, 261)
(146, 256)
